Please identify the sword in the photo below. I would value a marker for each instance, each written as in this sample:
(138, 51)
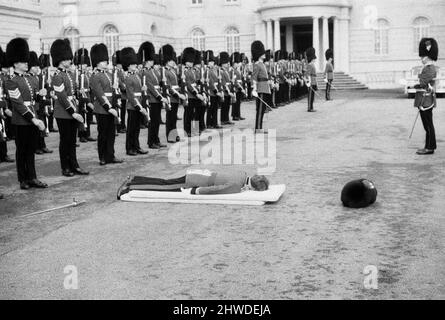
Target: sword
(414, 126)
(267, 105)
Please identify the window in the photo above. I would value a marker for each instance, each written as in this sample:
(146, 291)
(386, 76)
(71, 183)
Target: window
(198, 39)
(196, 2)
(421, 30)
(111, 39)
(74, 36)
(232, 40)
(381, 37)
(231, 1)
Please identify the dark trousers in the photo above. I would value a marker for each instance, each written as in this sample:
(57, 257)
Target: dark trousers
(26, 144)
(260, 110)
(41, 140)
(200, 116)
(155, 123)
(155, 184)
(133, 131)
(189, 115)
(236, 107)
(67, 144)
(311, 98)
(123, 125)
(427, 120)
(171, 122)
(10, 128)
(3, 150)
(106, 128)
(328, 89)
(212, 113)
(225, 110)
(51, 122)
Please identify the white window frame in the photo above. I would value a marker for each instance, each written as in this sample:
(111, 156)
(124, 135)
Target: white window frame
(233, 40)
(198, 39)
(111, 39)
(73, 35)
(381, 38)
(421, 27)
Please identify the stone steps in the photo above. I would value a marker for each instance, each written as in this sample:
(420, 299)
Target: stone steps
(342, 81)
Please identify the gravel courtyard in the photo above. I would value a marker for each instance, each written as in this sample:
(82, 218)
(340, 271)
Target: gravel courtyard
(307, 246)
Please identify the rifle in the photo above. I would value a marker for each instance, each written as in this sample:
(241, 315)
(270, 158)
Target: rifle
(165, 92)
(117, 96)
(82, 95)
(2, 115)
(183, 83)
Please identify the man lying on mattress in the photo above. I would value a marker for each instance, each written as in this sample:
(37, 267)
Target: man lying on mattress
(199, 182)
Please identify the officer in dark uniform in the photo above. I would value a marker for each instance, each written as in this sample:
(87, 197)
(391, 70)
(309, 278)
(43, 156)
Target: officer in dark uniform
(4, 76)
(5, 112)
(237, 79)
(215, 91)
(426, 95)
(226, 82)
(106, 113)
(66, 109)
(21, 95)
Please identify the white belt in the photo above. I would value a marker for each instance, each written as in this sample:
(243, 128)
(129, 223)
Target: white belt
(157, 87)
(108, 94)
(70, 98)
(28, 103)
(138, 94)
(175, 87)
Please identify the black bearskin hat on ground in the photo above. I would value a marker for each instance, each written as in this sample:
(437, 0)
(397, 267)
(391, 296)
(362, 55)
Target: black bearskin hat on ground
(167, 54)
(429, 48)
(310, 55)
(61, 51)
(33, 60)
(257, 50)
(329, 54)
(44, 60)
(224, 58)
(128, 57)
(209, 56)
(359, 194)
(146, 52)
(198, 58)
(99, 53)
(82, 57)
(17, 50)
(188, 55)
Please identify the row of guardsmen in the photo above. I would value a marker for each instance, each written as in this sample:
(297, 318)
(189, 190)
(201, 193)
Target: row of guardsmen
(124, 93)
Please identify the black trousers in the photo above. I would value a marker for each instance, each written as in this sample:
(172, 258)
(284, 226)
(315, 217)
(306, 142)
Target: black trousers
(106, 128)
(67, 144)
(10, 128)
(236, 107)
(328, 89)
(260, 110)
(155, 184)
(225, 110)
(155, 123)
(133, 131)
(200, 116)
(26, 144)
(189, 115)
(41, 140)
(51, 121)
(3, 150)
(427, 120)
(311, 98)
(171, 123)
(212, 113)
(123, 125)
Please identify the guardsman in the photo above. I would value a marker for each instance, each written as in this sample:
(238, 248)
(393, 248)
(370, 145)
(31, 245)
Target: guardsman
(86, 108)
(214, 89)
(5, 112)
(171, 82)
(329, 72)
(40, 91)
(226, 82)
(151, 84)
(48, 72)
(260, 82)
(194, 96)
(122, 128)
(311, 78)
(21, 96)
(240, 92)
(66, 110)
(5, 75)
(200, 74)
(426, 92)
(103, 86)
(135, 110)
(247, 76)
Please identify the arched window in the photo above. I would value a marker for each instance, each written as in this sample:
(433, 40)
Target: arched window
(232, 40)
(73, 35)
(421, 30)
(198, 39)
(381, 37)
(111, 39)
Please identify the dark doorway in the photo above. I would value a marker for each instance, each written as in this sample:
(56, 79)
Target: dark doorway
(302, 34)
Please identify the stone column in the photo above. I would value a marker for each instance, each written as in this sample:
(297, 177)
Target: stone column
(289, 38)
(337, 49)
(325, 41)
(316, 38)
(269, 41)
(277, 37)
(344, 44)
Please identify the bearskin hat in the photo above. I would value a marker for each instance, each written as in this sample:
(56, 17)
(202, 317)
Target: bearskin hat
(258, 50)
(99, 53)
(268, 55)
(198, 58)
(61, 51)
(359, 194)
(33, 60)
(17, 50)
(329, 54)
(146, 52)
(277, 55)
(209, 56)
(2, 58)
(188, 55)
(167, 54)
(128, 57)
(429, 48)
(236, 58)
(82, 57)
(310, 54)
(244, 58)
(224, 58)
(44, 60)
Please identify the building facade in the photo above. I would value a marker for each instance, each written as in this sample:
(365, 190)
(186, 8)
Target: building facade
(20, 18)
(374, 41)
